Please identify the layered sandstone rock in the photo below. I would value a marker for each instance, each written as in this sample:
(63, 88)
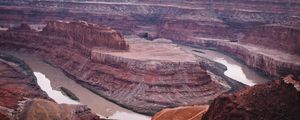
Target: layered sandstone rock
(202, 23)
(144, 84)
(278, 37)
(86, 34)
(182, 21)
(22, 98)
(145, 77)
(273, 100)
(164, 75)
(139, 16)
(271, 62)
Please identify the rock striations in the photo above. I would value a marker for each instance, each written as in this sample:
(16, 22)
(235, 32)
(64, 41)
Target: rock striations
(142, 76)
(265, 24)
(271, 62)
(86, 35)
(276, 100)
(278, 37)
(263, 34)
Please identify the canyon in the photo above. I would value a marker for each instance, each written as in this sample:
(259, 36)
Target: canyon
(197, 23)
(127, 52)
(141, 75)
(52, 80)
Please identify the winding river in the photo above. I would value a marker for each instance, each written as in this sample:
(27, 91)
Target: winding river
(50, 79)
(235, 70)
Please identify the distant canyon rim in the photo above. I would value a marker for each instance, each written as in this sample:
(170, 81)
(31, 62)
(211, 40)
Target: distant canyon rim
(129, 52)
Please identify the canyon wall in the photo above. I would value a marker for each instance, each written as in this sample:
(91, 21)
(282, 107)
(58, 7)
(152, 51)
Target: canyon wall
(273, 100)
(263, 34)
(133, 17)
(278, 37)
(266, 24)
(86, 34)
(144, 86)
(267, 61)
(22, 98)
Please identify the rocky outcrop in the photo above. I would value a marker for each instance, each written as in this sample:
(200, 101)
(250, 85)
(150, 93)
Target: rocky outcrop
(181, 113)
(88, 35)
(37, 109)
(22, 98)
(145, 77)
(273, 100)
(142, 85)
(277, 100)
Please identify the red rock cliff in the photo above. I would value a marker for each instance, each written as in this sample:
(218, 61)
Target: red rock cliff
(89, 35)
(276, 100)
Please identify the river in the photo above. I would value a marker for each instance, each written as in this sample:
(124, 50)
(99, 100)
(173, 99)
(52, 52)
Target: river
(50, 79)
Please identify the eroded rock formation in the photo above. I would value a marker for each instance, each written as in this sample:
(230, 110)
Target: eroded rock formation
(274, 24)
(86, 35)
(139, 75)
(22, 98)
(269, 61)
(278, 37)
(264, 34)
(277, 100)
